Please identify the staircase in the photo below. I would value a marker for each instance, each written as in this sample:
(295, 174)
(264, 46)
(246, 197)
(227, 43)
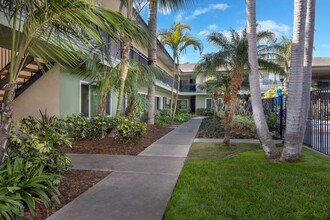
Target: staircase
(31, 71)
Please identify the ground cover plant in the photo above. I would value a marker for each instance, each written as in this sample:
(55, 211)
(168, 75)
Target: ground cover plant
(243, 128)
(218, 182)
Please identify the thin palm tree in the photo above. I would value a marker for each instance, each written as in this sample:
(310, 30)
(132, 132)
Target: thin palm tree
(265, 138)
(294, 109)
(168, 6)
(233, 56)
(300, 74)
(178, 40)
(60, 31)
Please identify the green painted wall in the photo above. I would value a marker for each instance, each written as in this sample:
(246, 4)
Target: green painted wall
(200, 101)
(69, 94)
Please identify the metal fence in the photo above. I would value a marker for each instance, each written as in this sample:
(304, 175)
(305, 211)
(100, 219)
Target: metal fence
(318, 124)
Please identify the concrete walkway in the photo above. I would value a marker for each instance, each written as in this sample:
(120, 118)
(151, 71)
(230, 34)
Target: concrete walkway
(139, 187)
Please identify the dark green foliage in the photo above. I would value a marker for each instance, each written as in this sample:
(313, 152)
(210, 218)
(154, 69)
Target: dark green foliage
(243, 128)
(205, 111)
(98, 126)
(37, 140)
(181, 117)
(129, 130)
(162, 117)
(272, 122)
(236, 182)
(22, 185)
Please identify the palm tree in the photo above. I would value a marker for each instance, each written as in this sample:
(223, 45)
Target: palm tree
(258, 113)
(178, 40)
(216, 85)
(300, 74)
(233, 56)
(168, 5)
(64, 32)
(294, 109)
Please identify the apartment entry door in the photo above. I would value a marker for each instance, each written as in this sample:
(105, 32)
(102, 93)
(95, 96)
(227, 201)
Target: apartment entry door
(192, 104)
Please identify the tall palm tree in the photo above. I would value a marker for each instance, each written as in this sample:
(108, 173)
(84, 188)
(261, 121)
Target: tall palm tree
(178, 40)
(258, 112)
(60, 31)
(293, 132)
(233, 56)
(167, 5)
(308, 57)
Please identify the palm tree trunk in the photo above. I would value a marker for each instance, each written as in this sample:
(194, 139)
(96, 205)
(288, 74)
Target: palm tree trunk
(130, 107)
(215, 103)
(101, 109)
(258, 114)
(176, 97)
(172, 89)
(292, 142)
(152, 56)
(235, 85)
(6, 118)
(125, 49)
(308, 56)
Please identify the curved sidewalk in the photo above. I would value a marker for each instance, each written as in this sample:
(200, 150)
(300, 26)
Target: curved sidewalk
(139, 187)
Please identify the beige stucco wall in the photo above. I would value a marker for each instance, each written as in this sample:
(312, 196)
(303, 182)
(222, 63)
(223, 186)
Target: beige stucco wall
(42, 94)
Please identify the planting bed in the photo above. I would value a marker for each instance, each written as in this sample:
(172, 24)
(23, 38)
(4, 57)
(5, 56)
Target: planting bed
(110, 145)
(74, 183)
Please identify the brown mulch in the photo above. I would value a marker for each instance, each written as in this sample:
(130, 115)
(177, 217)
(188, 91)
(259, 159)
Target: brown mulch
(110, 145)
(74, 183)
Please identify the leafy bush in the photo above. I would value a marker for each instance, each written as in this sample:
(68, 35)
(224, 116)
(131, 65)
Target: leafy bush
(272, 121)
(205, 111)
(181, 117)
(98, 126)
(37, 141)
(78, 127)
(244, 123)
(162, 118)
(127, 130)
(22, 185)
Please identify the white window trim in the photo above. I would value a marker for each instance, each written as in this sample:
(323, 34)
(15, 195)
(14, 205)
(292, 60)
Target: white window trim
(161, 102)
(206, 102)
(89, 95)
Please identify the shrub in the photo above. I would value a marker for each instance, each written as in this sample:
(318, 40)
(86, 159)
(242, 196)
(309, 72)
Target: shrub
(37, 141)
(205, 111)
(98, 126)
(244, 123)
(272, 121)
(22, 185)
(181, 117)
(127, 130)
(78, 126)
(162, 117)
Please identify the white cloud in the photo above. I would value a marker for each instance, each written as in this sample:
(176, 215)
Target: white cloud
(178, 17)
(327, 46)
(212, 27)
(204, 33)
(277, 29)
(211, 7)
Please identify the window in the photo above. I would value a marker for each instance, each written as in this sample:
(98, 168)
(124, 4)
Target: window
(157, 103)
(208, 103)
(85, 100)
(165, 103)
(182, 103)
(108, 104)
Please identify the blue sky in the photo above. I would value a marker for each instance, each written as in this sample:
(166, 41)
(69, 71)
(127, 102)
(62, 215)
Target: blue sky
(220, 16)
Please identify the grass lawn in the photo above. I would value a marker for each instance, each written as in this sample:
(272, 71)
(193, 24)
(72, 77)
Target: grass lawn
(238, 183)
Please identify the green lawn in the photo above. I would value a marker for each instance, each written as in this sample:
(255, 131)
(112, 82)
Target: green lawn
(238, 183)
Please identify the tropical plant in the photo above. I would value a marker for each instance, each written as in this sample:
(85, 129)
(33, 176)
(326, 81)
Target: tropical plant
(233, 58)
(129, 130)
(51, 30)
(22, 185)
(125, 52)
(265, 138)
(178, 40)
(168, 6)
(300, 74)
